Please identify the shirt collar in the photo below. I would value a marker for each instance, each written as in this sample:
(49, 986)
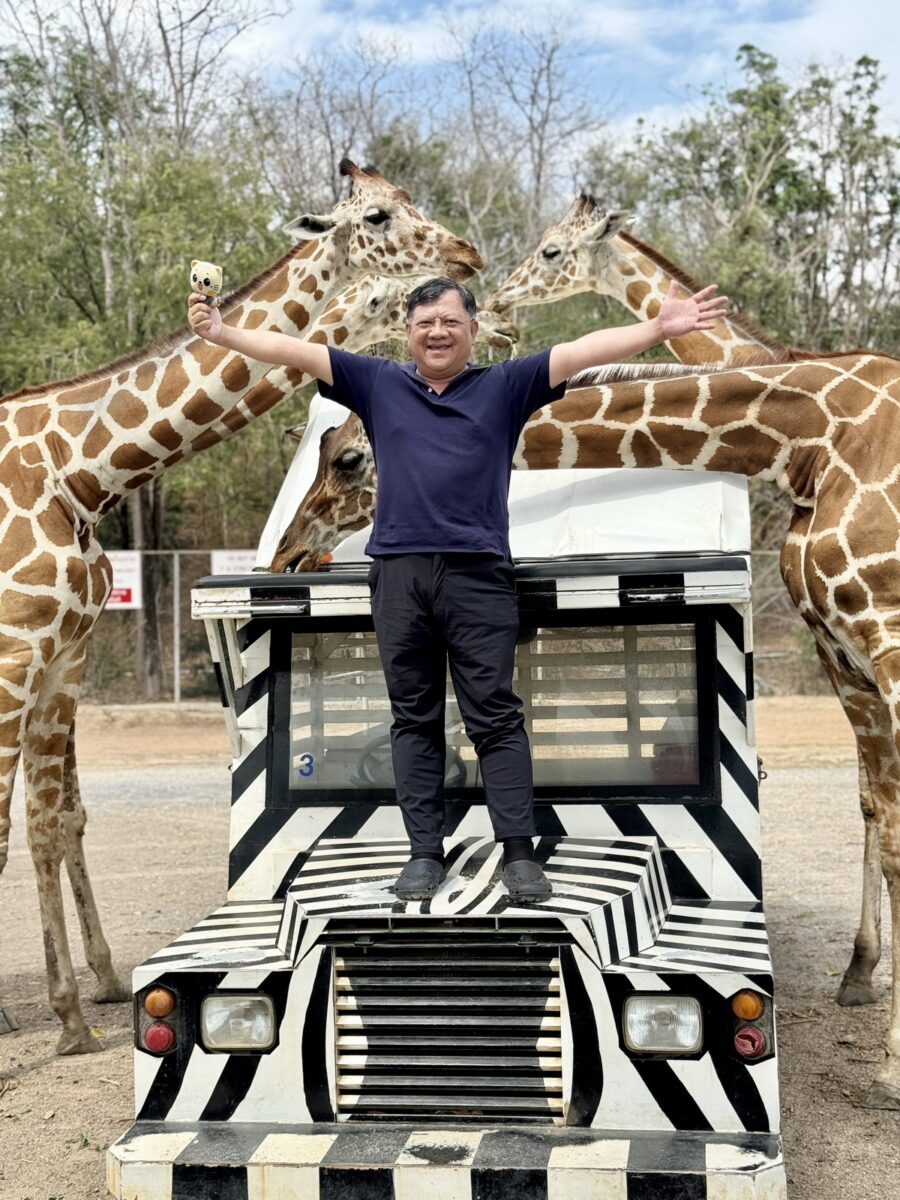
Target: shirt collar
(410, 369)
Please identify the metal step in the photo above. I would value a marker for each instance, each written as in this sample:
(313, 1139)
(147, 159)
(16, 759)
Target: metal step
(428, 1035)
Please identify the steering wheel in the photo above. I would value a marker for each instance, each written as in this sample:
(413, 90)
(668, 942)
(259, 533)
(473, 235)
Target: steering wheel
(374, 767)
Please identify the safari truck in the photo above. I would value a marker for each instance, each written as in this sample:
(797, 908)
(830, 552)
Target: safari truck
(315, 1037)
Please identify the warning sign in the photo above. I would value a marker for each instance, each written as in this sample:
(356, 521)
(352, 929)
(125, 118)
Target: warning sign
(127, 590)
(232, 562)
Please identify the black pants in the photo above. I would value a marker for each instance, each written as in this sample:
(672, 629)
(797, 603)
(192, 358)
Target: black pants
(430, 610)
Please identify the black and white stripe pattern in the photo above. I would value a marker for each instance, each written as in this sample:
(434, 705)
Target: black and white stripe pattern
(346, 1162)
(618, 885)
(651, 895)
(342, 590)
(713, 850)
(239, 931)
(711, 937)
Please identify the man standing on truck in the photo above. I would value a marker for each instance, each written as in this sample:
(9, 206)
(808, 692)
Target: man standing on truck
(443, 432)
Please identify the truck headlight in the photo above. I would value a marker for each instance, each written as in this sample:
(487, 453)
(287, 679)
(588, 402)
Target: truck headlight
(663, 1024)
(231, 1021)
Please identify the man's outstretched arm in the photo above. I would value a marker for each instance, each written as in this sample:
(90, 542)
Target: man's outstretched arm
(675, 318)
(264, 345)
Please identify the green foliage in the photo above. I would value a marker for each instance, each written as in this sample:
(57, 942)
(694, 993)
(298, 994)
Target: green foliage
(784, 191)
(783, 188)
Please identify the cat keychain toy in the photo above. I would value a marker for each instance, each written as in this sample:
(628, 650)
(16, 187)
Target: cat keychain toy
(206, 278)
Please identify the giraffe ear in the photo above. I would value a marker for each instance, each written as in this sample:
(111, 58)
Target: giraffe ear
(609, 225)
(294, 433)
(310, 225)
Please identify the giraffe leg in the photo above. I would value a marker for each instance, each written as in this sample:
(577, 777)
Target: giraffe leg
(16, 670)
(49, 831)
(880, 750)
(109, 989)
(8, 764)
(856, 985)
(865, 710)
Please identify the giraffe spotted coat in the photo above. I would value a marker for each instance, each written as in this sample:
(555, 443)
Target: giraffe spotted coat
(70, 451)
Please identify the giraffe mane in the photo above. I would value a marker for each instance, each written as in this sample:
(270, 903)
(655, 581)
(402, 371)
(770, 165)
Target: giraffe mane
(641, 371)
(768, 345)
(155, 349)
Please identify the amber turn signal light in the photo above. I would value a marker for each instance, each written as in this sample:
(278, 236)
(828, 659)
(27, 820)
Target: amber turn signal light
(747, 1005)
(159, 1002)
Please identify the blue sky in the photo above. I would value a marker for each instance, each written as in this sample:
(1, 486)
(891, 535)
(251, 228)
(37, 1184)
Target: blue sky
(643, 58)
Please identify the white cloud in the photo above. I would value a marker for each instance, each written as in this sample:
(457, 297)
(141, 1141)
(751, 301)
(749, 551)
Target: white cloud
(649, 56)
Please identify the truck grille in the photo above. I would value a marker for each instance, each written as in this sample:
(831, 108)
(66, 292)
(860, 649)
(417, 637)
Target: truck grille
(435, 1032)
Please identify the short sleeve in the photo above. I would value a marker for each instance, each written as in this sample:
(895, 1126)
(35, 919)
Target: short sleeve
(529, 381)
(354, 380)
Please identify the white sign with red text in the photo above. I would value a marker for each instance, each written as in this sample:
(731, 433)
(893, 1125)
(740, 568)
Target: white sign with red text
(127, 590)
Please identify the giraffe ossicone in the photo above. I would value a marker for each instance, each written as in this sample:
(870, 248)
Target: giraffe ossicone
(70, 450)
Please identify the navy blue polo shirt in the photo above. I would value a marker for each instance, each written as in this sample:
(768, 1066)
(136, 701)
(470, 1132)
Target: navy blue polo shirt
(443, 460)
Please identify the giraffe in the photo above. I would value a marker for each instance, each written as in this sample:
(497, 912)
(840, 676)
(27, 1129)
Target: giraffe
(593, 250)
(70, 450)
(373, 309)
(823, 430)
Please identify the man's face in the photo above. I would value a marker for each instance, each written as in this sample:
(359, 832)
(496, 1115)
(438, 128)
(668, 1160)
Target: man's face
(440, 337)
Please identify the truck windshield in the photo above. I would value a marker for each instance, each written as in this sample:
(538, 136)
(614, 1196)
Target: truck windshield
(610, 706)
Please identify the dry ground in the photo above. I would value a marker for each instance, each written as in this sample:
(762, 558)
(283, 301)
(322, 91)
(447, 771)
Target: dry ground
(155, 778)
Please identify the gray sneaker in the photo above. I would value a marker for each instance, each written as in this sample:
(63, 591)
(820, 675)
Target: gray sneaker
(525, 880)
(419, 879)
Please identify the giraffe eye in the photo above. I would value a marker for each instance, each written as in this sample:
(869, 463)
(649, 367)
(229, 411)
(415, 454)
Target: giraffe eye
(551, 252)
(348, 460)
(377, 216)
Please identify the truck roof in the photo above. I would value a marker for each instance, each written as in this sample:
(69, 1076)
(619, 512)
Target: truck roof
(564, 513)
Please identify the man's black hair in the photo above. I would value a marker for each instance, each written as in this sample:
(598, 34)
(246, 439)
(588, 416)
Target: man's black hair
(433, 289)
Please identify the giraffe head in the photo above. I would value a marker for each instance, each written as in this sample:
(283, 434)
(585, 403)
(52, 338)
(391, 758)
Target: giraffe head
(571, 257)
(341, 499)
(373, 309)
(384, 234)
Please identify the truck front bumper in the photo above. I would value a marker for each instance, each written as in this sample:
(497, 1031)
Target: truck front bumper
(158, 1160)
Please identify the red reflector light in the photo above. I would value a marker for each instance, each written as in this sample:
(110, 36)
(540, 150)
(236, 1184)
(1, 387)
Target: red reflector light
(750, 1042)
(159, 1037)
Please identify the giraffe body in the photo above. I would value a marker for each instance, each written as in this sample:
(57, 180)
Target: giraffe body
(825, 432)
(70, 451)
(592, 250)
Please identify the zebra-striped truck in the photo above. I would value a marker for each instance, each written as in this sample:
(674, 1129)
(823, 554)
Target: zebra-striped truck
(316, 1038)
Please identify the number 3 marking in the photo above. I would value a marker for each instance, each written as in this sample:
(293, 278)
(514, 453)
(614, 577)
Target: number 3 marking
(307, 764)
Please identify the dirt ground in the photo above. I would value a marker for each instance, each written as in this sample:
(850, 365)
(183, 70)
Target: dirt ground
(155, 778)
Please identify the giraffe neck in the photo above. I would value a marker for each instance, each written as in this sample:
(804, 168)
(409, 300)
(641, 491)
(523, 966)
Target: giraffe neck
(640, 279)
(110, 435)
(769, 421)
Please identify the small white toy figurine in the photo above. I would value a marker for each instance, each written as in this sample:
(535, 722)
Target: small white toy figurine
(206, 278)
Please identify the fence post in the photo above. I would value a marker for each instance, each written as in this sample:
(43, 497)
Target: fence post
(176, 626)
